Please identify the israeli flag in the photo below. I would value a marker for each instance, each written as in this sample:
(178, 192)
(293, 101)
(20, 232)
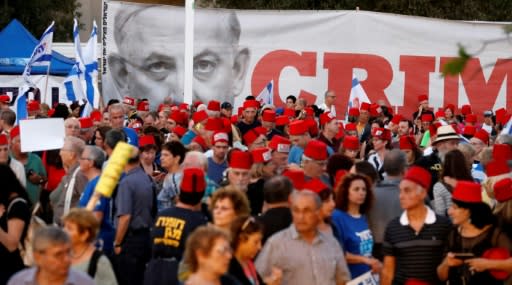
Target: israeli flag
(42, 54)
(90, 61)
(266, 95)
(20, 105)
(357, 95)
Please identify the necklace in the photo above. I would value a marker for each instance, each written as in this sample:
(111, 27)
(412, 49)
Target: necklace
(81, 254)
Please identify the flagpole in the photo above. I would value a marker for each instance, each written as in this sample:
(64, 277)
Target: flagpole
(46, 84)
(189, 52)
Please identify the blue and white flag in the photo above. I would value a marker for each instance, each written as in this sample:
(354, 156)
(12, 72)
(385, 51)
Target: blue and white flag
(20, 105)
(266, 95)
(357, 95)
(42, 54)
(81, 83)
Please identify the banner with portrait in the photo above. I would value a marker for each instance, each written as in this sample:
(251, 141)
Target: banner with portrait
(238, 52)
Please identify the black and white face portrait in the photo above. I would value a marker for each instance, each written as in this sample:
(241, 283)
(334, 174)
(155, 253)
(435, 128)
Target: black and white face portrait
(149, 61)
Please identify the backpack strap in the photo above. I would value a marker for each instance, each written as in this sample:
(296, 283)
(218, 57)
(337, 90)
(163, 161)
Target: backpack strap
(17, 199)
(93, 263)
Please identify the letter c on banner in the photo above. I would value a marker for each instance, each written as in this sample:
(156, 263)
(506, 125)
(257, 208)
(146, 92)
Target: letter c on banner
(269, 68)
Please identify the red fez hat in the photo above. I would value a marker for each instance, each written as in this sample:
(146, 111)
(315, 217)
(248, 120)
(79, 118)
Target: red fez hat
(129, 101)
(341, 131)
(234, 119)
(339, 176)
(482, 135)
(33, 105)
(3, 139)
(312, 126)
(200, 141)
(4, 98)
(365, 106)
(407, 142)
(197, 103)
(200, 116)
(296, 176)
(396, 119)
(143, 106)
(280, 144)
(416, 282)
(353, 112)
(240, 159)
(268, 116)
(161, 107)
(351, 127)
(15, 132)
(289, 112)
(261, 155)
(146, 140)
(252, 134)
(382, 133)
(502, 152)
(496, 167)
(503, 190)
(326, 118)
(351, 142)
(85, 123)
(220, 137)
(374, 110)
(309, 111)
(433, 128)
(451, 107)
(467, 191)
(422, 98)
(501, 116)
(178, 117)
(419, 175)
(214, 124)
(227, 124)
(465, 110)
(298, 128)
(470, 118)
(440, 114)
(427, 118)
(316, 150)
(183, 106)
(96, 116)
(179, 130)
(282, 120)
(213, 105)
(497, 253)
(316, 185)
(251, 104)
(193, 180)
(52, 111)
(469, 130)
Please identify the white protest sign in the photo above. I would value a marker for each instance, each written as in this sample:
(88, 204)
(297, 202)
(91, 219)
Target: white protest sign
(365, 279)
(41, 134)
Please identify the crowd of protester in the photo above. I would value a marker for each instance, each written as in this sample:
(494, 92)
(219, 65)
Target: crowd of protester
(263, 195)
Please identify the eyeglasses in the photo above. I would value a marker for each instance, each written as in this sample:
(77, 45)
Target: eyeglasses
(84, 158)
(321, 162)
(73, 127)
(222, 208)
(224, 250)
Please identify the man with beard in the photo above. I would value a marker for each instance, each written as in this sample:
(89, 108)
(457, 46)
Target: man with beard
(238, 172)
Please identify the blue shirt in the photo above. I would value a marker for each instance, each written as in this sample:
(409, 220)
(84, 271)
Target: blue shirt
(215, 170)
(295, 155)
(355, 237)
(106, 234)
(131, 136)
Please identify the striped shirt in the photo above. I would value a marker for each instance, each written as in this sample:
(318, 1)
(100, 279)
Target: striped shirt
(417, 255)
(321, 262)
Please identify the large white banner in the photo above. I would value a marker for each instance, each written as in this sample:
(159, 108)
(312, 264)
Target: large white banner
(238, 52)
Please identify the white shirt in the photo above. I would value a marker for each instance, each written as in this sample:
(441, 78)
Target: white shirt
(19, 170)
(326, 109)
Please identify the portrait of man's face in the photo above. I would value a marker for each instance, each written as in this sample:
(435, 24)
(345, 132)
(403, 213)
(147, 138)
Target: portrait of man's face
(150, 58)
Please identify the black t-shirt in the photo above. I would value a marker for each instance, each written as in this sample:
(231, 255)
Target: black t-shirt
(433, 164)
(244, 128)
(171, 230)
(11, 262)
(255, 196)
(275, 220)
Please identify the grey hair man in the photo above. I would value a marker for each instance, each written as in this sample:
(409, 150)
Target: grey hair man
(387, 195)
(52, 256)
(72, 184)
(302, 245)
(152, 64)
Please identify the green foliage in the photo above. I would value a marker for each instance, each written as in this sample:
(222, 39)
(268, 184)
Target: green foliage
(37, 15)
(483, 10)
(457, 65)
